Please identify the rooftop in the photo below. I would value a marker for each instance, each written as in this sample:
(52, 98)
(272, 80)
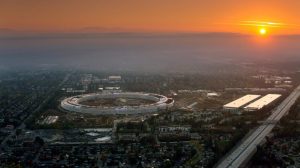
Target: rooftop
(241, 101)
(260, 103)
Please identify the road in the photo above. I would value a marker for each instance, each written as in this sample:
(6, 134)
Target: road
(192, 105)
(246, 149)
(23, 125)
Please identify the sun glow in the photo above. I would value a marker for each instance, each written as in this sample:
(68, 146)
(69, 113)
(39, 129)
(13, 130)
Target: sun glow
(262, 31)
(263, 28)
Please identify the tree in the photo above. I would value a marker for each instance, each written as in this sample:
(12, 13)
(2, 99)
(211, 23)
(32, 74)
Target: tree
(38, 140)
(18, 131)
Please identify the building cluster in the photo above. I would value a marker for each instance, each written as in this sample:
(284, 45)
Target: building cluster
(276, 81)
(104, 155)
(48, 120)
(22, 95)
(284, 151)
(259, 90)
(196, 133)
(90, 82)
(174, 132)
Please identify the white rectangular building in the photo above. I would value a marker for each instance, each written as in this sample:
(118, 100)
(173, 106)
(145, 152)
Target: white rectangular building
(240, 102)
(260, 103)
(114, 78)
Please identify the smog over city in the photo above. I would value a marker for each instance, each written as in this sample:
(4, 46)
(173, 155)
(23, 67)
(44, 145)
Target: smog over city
(153, 52)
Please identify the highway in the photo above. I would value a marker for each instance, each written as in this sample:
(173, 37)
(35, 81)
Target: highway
(245, 149)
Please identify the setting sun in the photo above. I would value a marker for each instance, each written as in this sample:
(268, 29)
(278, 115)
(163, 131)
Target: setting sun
(262, 31)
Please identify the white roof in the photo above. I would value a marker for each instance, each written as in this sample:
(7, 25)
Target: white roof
(212, 94)
(241, 101)
(114, 77)
(260, 103)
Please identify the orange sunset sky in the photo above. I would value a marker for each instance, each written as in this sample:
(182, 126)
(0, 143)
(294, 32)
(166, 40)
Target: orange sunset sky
(238, 16)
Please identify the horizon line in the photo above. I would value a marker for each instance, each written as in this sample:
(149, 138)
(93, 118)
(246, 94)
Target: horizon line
(10, 31)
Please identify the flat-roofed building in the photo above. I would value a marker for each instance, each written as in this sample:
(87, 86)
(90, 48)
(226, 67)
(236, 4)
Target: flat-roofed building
(236, 104)
(260, 103)
(114, 78)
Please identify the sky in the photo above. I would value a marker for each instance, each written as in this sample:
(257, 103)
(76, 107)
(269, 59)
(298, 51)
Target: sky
(57, 34)
(150, 15)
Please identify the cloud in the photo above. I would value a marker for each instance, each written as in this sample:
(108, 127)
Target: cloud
(262, 23)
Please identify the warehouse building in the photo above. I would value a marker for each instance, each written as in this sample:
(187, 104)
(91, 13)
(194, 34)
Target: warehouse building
(260, 103)
(239, 103)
